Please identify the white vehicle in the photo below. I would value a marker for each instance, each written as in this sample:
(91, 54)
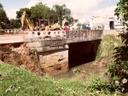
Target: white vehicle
(119, 27)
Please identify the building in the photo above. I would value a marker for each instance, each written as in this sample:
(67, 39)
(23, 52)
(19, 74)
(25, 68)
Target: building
(105, 23)
(101, 22)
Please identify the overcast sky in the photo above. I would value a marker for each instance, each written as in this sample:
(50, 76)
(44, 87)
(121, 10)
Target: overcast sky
(79, 8)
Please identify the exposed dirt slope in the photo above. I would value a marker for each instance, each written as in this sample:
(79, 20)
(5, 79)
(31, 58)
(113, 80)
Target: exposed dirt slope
(18, 59)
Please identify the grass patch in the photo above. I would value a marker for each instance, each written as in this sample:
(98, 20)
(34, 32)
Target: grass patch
(19, 82)
(106, 48)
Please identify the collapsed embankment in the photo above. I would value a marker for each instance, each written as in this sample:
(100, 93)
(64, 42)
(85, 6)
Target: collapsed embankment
(15, 55)
(22, 57)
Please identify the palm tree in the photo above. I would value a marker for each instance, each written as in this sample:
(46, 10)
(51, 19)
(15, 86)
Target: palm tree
(61, 12)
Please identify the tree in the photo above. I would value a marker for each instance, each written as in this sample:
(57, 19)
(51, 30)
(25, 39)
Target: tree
(3, 18)
(1, 6)
(20, 12)
(52, 16)
(122, 11)
(119, 68)
(62, 12)
(39, 11)
(70, 19)
(14, 23)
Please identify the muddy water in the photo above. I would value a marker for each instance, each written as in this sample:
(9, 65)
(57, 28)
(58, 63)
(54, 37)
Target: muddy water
(87, 68)
(81, 59)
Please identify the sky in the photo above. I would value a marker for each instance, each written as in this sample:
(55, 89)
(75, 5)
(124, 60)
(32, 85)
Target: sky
(79, 8)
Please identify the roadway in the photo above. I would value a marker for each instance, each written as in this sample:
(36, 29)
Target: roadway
(6, 39)
(18, 38)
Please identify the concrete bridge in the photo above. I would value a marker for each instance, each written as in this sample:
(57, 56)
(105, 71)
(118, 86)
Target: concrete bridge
(58, 51)
(55, 40)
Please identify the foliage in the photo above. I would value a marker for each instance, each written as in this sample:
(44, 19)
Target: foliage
(19, 82)
(79, 25)
(3, 17)
(119, 68)
(5, 23)
(76, 70)
(1, 6)
(14, 23)
(99, 84)
(16, 81)
(62, 12)
(106, 48)
(122, 10)
(1, 30)
(41, 11)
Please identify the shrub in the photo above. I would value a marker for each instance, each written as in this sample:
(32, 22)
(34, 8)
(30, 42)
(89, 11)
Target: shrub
(119, 68)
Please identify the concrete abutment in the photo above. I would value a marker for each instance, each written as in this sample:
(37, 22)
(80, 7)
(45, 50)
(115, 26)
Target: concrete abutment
(60, 62)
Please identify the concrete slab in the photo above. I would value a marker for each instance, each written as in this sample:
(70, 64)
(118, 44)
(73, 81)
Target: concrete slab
(5, 39)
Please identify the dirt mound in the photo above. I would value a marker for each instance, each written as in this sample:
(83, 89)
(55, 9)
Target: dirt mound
(27, 61)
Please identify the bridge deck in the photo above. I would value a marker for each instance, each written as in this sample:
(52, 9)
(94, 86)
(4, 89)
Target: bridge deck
(59, 39)
(6, 39)
(54, 40)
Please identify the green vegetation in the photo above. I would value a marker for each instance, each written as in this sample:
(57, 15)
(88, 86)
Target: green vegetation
(106, 48)
(19, 82)
(39, 11)
(119, 68)
(3, 18)
(114, 50)
(122, 11)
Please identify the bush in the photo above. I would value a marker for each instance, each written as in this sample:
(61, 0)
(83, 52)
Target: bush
(99, 84)
(1, 30)
(119, 68)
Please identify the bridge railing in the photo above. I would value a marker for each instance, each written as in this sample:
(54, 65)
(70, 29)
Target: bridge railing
(11, 30)
(83, 35)
(46, 41)
(54, 40)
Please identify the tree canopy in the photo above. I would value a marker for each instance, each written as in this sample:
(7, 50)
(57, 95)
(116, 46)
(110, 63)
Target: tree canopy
(5, 23)
(122, 10)
(41, 11)
(118, 69)
(3, 17)
(62, 12)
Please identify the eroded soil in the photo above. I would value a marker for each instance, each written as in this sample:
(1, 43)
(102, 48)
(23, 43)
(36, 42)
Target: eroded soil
(23, 58)
(18, 57)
